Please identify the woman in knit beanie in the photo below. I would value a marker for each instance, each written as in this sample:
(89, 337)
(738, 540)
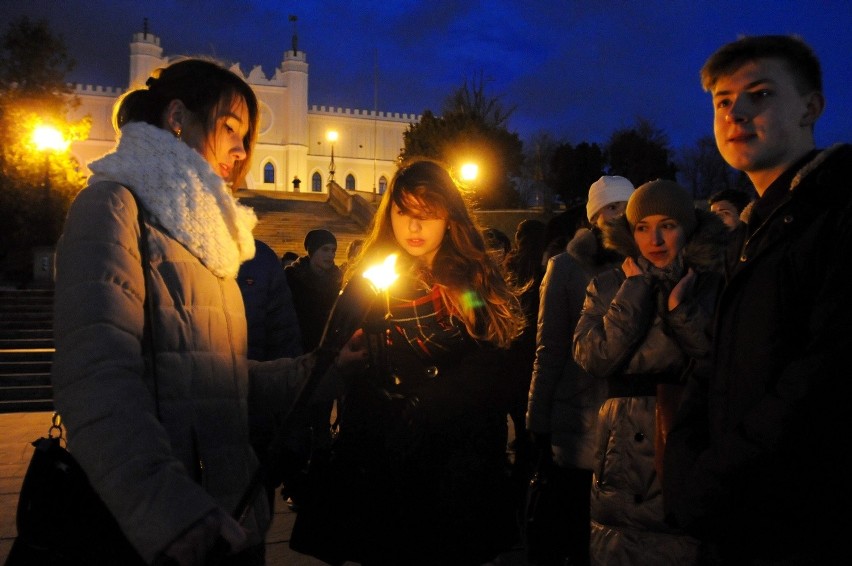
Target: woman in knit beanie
(643, 329)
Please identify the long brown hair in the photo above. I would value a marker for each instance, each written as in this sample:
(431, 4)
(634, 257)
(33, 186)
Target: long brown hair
(462, 265)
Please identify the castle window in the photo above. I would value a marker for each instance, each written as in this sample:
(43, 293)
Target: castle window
(269, 173)
(316, 183)
(350, 182)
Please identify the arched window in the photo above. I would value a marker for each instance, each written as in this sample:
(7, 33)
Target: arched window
(350, 182)
(269, 173)
(383, 184)
(316, 183)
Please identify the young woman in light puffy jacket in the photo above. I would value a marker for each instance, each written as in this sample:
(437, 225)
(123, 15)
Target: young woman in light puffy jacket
(643, 328)
(162, 431)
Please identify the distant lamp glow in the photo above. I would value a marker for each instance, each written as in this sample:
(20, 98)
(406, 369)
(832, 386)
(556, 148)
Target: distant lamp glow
(469, 171)
(48, 138)
(331, 136)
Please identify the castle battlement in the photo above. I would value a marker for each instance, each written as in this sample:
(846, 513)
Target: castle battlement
(146, 37)
(96, 90)
(391, 116)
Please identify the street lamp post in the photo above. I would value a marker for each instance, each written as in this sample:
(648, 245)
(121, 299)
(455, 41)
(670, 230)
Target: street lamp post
(331, 136)
(48, 140)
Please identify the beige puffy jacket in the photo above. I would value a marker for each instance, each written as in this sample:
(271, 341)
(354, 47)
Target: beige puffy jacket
(158, 474)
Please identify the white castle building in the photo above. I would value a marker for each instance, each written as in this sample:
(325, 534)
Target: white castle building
(293, 151)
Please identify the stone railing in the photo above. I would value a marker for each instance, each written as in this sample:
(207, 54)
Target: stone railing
(350, 204)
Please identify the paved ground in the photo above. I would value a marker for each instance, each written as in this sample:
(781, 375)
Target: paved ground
(17, 430)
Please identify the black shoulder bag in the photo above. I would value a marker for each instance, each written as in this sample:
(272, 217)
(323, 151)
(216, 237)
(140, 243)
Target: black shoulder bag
(60, 518)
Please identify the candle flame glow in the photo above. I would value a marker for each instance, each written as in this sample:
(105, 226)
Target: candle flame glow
(384, 274)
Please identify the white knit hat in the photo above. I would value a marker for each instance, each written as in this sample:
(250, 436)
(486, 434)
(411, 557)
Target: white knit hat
(607, 190)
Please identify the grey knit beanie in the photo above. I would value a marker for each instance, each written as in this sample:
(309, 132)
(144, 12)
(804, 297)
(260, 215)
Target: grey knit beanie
(662, 197)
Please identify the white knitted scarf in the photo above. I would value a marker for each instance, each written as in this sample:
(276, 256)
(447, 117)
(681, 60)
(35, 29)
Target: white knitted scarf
(182, 194)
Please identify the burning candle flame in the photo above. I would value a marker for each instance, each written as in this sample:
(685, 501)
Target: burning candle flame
(384, 274)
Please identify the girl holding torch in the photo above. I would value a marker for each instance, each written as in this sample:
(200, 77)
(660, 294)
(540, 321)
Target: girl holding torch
(418, 452)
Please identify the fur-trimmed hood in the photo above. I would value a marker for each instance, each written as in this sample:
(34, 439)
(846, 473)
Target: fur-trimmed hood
(704, 250)
(587, 248)
(584, 245)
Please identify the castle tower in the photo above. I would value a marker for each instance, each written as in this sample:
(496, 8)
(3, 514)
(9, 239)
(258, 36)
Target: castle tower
(294, 69)
(145, 56)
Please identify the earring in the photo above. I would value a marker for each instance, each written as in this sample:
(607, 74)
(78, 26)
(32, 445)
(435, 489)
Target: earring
(177, 133)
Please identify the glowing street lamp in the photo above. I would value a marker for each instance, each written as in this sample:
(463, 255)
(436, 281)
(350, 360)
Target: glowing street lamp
(48, 140)
(331, 136)
(469, 171)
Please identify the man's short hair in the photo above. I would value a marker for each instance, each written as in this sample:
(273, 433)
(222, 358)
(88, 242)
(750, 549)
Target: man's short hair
(737, 198)
(797, 55)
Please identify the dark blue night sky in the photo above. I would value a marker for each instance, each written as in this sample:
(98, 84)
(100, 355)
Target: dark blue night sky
(577, 70)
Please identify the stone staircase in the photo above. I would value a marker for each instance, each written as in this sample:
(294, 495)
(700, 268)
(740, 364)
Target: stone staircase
(26, 350)
(285, 218)
(26, 315)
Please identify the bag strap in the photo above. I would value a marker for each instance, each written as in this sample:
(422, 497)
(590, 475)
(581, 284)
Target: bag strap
(148, 330)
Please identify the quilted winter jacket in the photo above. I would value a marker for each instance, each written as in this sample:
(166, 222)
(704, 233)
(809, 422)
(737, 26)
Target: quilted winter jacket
(627, 337)
(159, 465)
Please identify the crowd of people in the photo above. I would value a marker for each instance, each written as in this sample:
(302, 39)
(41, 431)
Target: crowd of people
(678, 366)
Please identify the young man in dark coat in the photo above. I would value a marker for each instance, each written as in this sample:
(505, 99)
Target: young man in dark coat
(754, 464)
(314, 280)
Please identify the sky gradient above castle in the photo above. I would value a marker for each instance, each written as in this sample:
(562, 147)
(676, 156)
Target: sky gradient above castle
(577, 69)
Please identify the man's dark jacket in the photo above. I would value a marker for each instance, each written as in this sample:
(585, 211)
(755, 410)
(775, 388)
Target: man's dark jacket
(314, 295)
(756, 463)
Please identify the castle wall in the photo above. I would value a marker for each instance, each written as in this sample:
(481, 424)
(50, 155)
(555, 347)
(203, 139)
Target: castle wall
(291, 136)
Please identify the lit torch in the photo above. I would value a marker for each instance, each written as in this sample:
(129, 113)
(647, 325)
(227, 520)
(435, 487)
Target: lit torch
(382, 277)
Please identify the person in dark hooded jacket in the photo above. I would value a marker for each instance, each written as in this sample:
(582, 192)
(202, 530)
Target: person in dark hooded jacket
(644, 327)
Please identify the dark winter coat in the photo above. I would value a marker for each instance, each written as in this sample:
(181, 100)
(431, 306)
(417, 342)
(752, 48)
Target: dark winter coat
(273, 327)
(313, 296)
(563, 398)
(419, 465)
(627, 336)
(756, 462)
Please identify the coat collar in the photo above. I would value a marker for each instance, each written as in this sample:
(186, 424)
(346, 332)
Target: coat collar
(801, 174)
